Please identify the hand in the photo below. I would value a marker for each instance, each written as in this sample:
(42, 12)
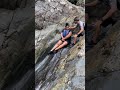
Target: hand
(98, 23)
(75, 35)
(63, 39)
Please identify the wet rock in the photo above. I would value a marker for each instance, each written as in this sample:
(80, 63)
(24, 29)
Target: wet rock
(63, 68)
(2, 36)
(60, 70)
(79, 2)
(52, 13)
(107, 82)
(16, 22)
(5, 17)
(100, 64)
(11, 5)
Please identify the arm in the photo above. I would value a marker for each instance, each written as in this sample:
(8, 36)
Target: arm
(82, 27)
(81, 30)
(92, 3)
(112, 10)
(61, 35)
(72, 28)
(70, 33)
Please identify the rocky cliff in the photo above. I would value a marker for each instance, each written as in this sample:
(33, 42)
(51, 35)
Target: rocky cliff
(102, 61)
(16, 33)
(65, 69)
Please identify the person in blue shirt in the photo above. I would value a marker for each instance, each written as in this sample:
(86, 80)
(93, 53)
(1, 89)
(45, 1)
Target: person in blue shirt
(64, 41)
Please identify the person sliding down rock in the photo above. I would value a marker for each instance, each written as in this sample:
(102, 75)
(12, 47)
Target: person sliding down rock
(64, 41)
(111, 7)
(78, 29)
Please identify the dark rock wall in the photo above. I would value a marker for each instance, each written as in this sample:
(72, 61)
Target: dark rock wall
(16, 41)
(8, 4)
(102, 61)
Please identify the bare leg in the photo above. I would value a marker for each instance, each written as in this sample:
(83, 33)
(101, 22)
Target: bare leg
(57, 45)
(62, 45)
(97, 32)
(75, 39)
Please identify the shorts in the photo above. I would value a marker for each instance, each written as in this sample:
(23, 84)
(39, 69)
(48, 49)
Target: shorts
(68, 40)
(81, 34)
(107, 22)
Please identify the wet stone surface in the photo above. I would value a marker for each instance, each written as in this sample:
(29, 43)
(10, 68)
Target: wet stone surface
(58, 71)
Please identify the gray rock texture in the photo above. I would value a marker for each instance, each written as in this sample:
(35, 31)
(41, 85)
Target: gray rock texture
(16, 20)
(64, 70)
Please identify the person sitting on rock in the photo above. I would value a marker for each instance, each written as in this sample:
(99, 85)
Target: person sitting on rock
(79, 29)
(64, 41)
(111, 8)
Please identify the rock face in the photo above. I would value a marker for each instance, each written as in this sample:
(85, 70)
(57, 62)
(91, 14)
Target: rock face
(50, 12)
(77, 2)
(103, 63)
(53, 21)
(80, 3)
(15, 23)
(13, 5)
(64, 70)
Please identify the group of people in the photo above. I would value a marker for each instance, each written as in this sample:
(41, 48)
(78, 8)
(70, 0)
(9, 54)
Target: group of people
(67, 33)
(112, 6)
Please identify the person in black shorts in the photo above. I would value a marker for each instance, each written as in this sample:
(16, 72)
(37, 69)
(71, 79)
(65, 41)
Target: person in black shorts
(64, 41)
(106, 19)
(80, 29)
